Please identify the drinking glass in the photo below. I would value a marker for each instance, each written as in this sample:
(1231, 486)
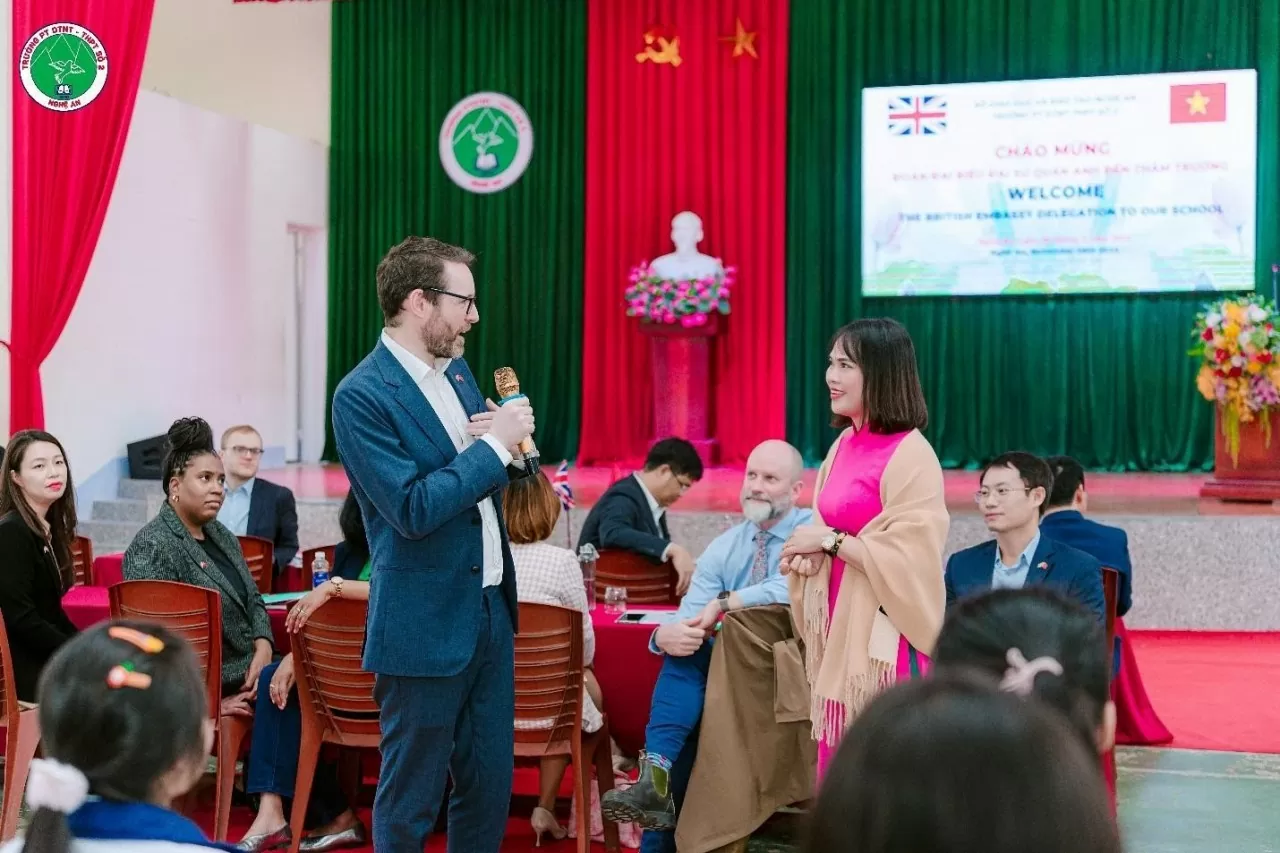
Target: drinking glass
(615, 599)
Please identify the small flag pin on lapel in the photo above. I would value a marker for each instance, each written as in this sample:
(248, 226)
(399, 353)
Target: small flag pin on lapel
(203, 564)
(457, 377)
(1044, 567)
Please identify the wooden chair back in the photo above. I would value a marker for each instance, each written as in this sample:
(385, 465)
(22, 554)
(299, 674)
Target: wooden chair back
(82, 560)
(192, 612)
(8, 681)
(333, 688)
(260, 554)
(22, 737)
(1111, 593)
(549, 679)
(646, 582)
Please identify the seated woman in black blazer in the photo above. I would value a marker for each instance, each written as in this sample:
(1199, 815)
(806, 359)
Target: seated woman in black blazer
(37, 525)
(277, 725)
(186, 543)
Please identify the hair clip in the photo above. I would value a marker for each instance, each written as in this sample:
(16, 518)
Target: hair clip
(147, 643)
(124, 675)
(1020, 677)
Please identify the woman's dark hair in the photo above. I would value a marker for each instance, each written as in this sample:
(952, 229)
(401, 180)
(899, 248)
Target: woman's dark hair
(950, 764)
(125, 739)
(352, 524)
(892, 399)
(62, 512)
(187, 438)
(531, 508)
(980, 630)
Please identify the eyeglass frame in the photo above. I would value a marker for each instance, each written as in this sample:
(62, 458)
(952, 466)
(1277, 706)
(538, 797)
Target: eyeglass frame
(470, 300)
(979, 497)
(238, 450)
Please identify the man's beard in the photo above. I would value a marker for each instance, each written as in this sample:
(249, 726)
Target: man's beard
(761, 510)
(441, 342)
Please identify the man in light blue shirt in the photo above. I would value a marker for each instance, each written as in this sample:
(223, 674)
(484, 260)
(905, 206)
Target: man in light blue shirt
(738, 569)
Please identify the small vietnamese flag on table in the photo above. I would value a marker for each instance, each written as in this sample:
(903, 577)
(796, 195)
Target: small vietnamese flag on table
(1197, 102)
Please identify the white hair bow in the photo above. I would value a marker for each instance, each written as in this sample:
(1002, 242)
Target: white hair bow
(56, 786)
(1020, 677)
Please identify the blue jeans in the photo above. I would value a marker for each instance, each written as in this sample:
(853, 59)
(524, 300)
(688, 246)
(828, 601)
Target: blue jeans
(672, 732)
(273, 756)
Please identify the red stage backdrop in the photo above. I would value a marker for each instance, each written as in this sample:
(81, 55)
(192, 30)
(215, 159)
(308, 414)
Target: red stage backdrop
(79, 62)
(706, 135)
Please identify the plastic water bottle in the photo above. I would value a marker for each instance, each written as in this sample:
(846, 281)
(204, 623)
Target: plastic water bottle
(319, 570)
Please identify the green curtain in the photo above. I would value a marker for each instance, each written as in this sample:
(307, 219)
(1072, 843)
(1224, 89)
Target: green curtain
(1103, 378)
(399, 66)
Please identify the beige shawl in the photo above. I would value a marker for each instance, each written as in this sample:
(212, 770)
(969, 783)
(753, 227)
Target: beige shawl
(854, 657)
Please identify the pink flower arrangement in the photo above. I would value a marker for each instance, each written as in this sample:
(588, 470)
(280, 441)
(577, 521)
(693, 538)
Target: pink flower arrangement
(689, 302)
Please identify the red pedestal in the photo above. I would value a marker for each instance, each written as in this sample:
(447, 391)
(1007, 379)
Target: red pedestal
(1255, 474)
(681, 359)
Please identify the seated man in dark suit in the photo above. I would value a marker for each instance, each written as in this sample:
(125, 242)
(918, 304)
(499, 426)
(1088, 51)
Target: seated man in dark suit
(1064, 521)
(1011, 496)
(255, 507)
(631, 514)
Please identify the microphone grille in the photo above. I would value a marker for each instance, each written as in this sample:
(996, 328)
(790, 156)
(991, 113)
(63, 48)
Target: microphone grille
(505, 379)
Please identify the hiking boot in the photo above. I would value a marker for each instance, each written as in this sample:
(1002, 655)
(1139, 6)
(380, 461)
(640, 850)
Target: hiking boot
(647, 803)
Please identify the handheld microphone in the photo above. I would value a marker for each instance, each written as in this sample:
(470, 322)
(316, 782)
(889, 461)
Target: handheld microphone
(509, 389)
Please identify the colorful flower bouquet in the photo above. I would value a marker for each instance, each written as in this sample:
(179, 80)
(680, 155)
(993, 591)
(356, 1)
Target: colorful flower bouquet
(689, 302)
(1240, 347)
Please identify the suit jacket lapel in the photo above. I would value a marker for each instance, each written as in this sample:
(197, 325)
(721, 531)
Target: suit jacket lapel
(414, 401)
(257, 505)
(984, 567)
(1042, 557)
(464, 385)
(196, 554)
(646, 511)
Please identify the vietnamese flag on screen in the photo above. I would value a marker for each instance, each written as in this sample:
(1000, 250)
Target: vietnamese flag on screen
(1197, 102)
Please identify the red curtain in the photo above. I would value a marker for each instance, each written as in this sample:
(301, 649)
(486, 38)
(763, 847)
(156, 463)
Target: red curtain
(64, 167)
(708, 135)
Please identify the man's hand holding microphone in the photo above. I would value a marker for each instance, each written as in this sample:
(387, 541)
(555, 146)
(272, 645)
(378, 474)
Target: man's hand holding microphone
(510, 423)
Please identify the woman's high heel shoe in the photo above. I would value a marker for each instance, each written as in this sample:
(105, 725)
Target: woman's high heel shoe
(545, 823)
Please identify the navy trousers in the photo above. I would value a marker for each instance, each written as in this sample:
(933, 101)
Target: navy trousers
(458, 726)
(672, 732)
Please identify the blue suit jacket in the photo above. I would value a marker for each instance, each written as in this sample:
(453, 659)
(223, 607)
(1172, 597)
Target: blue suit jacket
(1065, 568)
(419, 497)
(1109, 545)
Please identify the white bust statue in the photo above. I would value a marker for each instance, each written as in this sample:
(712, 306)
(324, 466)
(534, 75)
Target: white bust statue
(686, 262)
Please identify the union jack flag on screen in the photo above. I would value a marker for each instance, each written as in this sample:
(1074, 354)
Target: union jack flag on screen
(560, 482)
(917, 116)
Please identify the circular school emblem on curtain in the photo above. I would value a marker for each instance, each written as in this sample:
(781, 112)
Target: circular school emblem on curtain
(486, 142)
(63, 67)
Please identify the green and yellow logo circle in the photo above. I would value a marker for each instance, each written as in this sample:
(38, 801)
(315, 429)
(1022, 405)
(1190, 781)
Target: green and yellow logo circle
(486, 142)
(63, 67)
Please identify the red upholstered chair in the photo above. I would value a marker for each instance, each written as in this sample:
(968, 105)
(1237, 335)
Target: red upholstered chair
(21, 723)
(195, 614)
(646, 582)
(549, 695)
(334, 691)
(260, 554)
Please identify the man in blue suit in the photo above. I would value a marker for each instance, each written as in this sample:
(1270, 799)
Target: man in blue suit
(1011, 495)
(1064, 521)
(426, 455)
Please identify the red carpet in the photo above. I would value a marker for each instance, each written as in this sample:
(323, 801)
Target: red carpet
(1214, 690)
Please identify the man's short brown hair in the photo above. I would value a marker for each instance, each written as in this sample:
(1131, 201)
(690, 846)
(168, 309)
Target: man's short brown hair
(230, 431)
(415, 263)
(531, 509)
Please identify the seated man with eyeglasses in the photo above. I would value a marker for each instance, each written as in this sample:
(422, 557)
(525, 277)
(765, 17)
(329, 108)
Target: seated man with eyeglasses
(1011, 496)
(255, 507)
(632, 513)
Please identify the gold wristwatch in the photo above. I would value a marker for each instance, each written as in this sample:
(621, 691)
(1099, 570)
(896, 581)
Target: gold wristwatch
(337, 586)
(832, 542)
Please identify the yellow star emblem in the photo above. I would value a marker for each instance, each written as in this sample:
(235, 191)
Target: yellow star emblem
(1197, 103)
(743, 41)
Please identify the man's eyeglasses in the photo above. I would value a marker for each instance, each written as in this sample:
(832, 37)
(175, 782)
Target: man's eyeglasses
(1000, 492)
(685, 484)
(252, 452)
(470, 300)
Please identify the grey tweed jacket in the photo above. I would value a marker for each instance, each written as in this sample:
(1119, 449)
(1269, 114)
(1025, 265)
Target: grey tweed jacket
(163, 550)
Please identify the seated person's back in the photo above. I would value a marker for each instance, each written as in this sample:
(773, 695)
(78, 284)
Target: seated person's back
(1064, 521)
(1012, 492)
(631, 514)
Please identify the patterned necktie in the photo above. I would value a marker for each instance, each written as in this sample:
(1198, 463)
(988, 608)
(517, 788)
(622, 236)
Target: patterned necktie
(760, 565)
